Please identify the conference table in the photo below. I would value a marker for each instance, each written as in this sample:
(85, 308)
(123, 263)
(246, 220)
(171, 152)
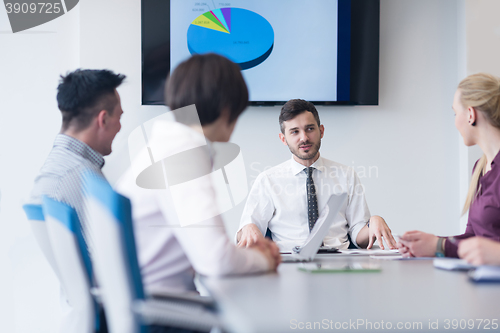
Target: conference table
(405, 295)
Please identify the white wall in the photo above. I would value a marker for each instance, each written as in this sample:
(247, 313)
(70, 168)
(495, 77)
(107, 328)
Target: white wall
(30, 65)
(410, 137)
(482, 30)
(483, 36)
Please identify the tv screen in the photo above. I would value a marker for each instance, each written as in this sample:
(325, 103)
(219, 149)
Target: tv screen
(324, 51)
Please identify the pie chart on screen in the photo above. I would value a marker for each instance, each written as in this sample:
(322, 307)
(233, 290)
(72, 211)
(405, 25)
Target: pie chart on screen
(241, 35)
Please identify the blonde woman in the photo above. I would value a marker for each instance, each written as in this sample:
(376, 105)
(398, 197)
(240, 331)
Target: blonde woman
(477, 117)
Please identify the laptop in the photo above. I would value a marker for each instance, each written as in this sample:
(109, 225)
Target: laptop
(312, 245)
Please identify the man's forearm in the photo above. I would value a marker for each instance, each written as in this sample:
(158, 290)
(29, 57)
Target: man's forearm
(363, 237)
(250, 230)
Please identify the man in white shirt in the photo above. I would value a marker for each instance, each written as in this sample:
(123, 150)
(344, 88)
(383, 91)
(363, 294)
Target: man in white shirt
(169, 251)
(289, 197)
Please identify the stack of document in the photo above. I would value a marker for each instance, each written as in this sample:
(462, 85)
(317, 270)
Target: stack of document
(485, 274)
(476, 273)
(366, 252)
(452, 264)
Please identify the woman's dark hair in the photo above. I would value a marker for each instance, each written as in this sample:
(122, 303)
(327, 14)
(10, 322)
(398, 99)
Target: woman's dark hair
(210, 81)
(293, 108)
(82, 94)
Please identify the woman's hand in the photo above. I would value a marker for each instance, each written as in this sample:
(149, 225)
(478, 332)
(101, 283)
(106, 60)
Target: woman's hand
(479, 251)
(417, 244)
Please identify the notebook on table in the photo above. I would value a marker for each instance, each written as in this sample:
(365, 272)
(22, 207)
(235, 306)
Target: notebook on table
(452, 264)
(307, 251)
(322, 249)
(485, 274)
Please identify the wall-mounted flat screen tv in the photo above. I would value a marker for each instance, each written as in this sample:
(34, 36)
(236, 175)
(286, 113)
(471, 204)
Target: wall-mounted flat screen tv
(324, 51)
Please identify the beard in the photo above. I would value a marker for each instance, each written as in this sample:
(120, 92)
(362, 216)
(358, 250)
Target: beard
(306, 155)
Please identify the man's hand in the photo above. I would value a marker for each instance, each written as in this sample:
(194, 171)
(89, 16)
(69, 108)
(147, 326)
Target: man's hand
(479, 251)
(417, 244)
(379, 229)
(270, 250)
(249, 235)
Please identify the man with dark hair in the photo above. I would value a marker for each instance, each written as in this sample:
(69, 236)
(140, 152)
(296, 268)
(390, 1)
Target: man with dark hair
(293, 108)
(207, 93)
(288, 198)
(91, 111)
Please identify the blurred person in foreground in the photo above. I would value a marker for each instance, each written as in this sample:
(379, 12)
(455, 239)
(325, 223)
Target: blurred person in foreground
(169, 252)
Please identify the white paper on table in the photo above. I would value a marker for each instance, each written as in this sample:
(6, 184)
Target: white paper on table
(394, 257)
(368, 252)
(452, 264)
(400, 257)
(485, 273)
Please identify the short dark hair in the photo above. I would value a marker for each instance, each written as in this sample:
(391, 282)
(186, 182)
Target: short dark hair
(83, 93)
(293, 108)
(211, 82)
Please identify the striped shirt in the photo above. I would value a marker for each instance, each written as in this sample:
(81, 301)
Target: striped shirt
(60, 176)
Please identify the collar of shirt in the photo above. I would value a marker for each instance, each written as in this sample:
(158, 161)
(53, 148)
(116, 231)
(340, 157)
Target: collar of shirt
(298, 168)
(496, 160)
(78, 147)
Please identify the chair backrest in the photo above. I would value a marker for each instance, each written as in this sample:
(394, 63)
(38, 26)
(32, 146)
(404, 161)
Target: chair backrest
(114, 254)
(73, 261)
(36, 219)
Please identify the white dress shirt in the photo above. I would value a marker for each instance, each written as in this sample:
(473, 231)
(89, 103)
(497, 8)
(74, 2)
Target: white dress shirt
(169, 253)
(278, 201)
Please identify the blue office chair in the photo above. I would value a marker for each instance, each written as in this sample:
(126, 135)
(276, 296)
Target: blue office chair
(75, 269)
(36, 219)
(128, 309)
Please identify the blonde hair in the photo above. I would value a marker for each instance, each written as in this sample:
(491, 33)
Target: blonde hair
(482, 92)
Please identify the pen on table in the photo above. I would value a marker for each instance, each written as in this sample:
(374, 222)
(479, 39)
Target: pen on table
(399, 238)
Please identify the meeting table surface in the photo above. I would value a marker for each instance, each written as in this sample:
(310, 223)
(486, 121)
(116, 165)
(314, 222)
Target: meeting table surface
(399, 295)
